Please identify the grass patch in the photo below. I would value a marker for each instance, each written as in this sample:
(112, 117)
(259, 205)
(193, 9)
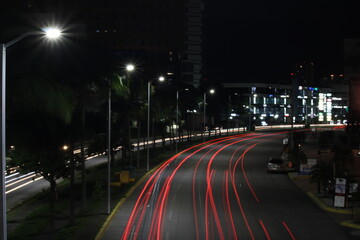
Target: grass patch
(33, 224)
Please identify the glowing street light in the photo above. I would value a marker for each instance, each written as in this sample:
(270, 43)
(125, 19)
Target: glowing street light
(211, 91)
(51, 33)
(161, 79)
(177, 116)
(130, 67)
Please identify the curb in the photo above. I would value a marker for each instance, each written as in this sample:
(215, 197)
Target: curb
(350, 224)
(324, 207)
(293, 176)
(102, 230)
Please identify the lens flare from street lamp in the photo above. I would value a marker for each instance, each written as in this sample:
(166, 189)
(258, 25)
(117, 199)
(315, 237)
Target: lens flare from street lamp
(130, 67)
(52, 33)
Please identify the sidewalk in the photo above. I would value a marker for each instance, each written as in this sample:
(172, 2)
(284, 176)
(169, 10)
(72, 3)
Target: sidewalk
(348, 216)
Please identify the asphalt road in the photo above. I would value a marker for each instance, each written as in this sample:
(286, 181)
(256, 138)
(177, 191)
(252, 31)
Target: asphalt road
(220, 190)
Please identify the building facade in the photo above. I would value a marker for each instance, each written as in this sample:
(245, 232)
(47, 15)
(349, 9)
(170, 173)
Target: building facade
(269, 104)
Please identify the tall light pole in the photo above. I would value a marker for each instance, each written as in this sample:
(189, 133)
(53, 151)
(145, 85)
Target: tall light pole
(51, 33)
(161, 79)
(250, 120)
(109, 148)
(129, 68)
(177, 116)
(211, 91)
(148, 130)
(229, 114)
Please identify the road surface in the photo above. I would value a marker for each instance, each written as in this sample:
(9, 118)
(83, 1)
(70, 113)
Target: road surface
(220, 190)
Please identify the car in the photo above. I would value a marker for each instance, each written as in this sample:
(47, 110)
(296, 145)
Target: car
(276, 165)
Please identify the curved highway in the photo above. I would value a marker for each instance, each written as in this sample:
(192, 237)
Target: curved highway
(220, 190)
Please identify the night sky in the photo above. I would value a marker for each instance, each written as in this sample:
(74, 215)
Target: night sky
(262, 40)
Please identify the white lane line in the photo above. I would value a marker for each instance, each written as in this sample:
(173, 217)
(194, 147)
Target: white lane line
(11, 175)
(19, 179)
(22, 185)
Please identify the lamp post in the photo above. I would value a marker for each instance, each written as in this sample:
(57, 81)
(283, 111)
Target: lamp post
(109, 148)
(250, 95)
(129, 68)
(161, 79)
(211, 91)
(51, 33)
(177, 115)
(229, 113)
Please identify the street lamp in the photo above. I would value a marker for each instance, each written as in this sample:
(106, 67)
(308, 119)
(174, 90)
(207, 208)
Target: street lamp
(211, 91)
(51, 33)
(129, 68)
(229, 113)
(177, 115)
(161, 79)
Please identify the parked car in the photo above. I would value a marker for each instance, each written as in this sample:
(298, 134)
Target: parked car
(276, 165)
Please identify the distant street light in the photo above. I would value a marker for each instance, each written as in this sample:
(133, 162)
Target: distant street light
(51, 33)
(250, 120)
(229, 114)
(161, 79)
(211, 91)
(177, 115)
(129, 68)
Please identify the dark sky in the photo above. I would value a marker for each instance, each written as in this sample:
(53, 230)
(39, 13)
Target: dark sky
(262, 40)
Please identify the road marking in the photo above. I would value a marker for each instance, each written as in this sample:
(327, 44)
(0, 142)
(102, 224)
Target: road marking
(22, 177)
(22, 185)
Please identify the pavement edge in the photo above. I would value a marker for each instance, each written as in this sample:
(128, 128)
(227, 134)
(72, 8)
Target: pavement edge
(102, 230)
(323, 206)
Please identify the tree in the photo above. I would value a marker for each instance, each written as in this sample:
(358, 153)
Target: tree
(343, 157)
(322, 174)
(37, 127)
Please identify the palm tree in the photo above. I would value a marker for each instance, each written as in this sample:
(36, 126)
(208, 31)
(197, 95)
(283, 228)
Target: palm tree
(37, 126)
